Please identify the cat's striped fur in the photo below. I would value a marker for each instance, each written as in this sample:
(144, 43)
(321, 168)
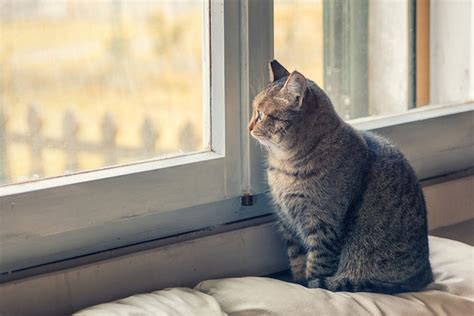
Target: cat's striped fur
(349, 205)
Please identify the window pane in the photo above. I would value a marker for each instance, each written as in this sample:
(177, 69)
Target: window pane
(299, 36)
(88, 84)
(361, 52)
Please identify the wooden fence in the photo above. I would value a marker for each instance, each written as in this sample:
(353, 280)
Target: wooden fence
(71, 145)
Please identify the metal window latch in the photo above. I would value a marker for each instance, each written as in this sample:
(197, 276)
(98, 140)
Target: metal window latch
(247, 199)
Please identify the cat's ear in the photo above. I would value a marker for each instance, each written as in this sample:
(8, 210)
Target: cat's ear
(295, 87)
(277, 71)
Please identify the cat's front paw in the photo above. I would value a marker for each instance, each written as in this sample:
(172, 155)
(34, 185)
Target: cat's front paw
(298, 276)
(316, 283)
(299, 280)
(298, 269)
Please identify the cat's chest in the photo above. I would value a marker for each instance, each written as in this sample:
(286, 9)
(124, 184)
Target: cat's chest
(280, 181)
(283, 187)
(286, 193)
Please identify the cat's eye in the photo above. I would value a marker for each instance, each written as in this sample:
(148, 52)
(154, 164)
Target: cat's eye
(260, 116)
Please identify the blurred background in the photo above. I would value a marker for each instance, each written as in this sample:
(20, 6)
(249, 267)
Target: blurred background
(87, 84)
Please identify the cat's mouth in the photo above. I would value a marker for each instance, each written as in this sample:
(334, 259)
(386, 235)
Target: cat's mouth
(257, 136)
(261, 139)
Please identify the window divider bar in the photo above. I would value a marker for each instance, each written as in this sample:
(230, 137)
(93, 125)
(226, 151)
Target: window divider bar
(256, 52)
(346, 55)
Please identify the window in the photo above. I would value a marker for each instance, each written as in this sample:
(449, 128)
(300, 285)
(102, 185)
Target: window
(81, 205)
(91, 84)
(361, 52)
(339, 43)
(373, 57)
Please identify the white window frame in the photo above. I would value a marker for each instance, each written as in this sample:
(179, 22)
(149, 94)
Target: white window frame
(56, 218)
(65, 217)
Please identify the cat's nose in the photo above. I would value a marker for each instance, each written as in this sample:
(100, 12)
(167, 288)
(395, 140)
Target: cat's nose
(251, 125)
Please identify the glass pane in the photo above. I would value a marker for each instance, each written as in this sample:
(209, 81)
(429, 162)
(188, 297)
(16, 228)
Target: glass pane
(88, 84)
(360, 52)
(299, 35)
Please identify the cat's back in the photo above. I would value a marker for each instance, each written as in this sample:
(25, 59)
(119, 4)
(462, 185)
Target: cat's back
(391, 217)
(390, 172)
(387, 160)
(380, 146)
(393, 199)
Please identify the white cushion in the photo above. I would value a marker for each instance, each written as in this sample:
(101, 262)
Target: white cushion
(174, 301)
(452, 293)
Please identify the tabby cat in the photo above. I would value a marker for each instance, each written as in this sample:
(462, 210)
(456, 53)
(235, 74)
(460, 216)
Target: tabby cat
(349, 205)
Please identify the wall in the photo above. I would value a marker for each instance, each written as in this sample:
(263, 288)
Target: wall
(253, 250)
(450, 202)
(452, 57)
